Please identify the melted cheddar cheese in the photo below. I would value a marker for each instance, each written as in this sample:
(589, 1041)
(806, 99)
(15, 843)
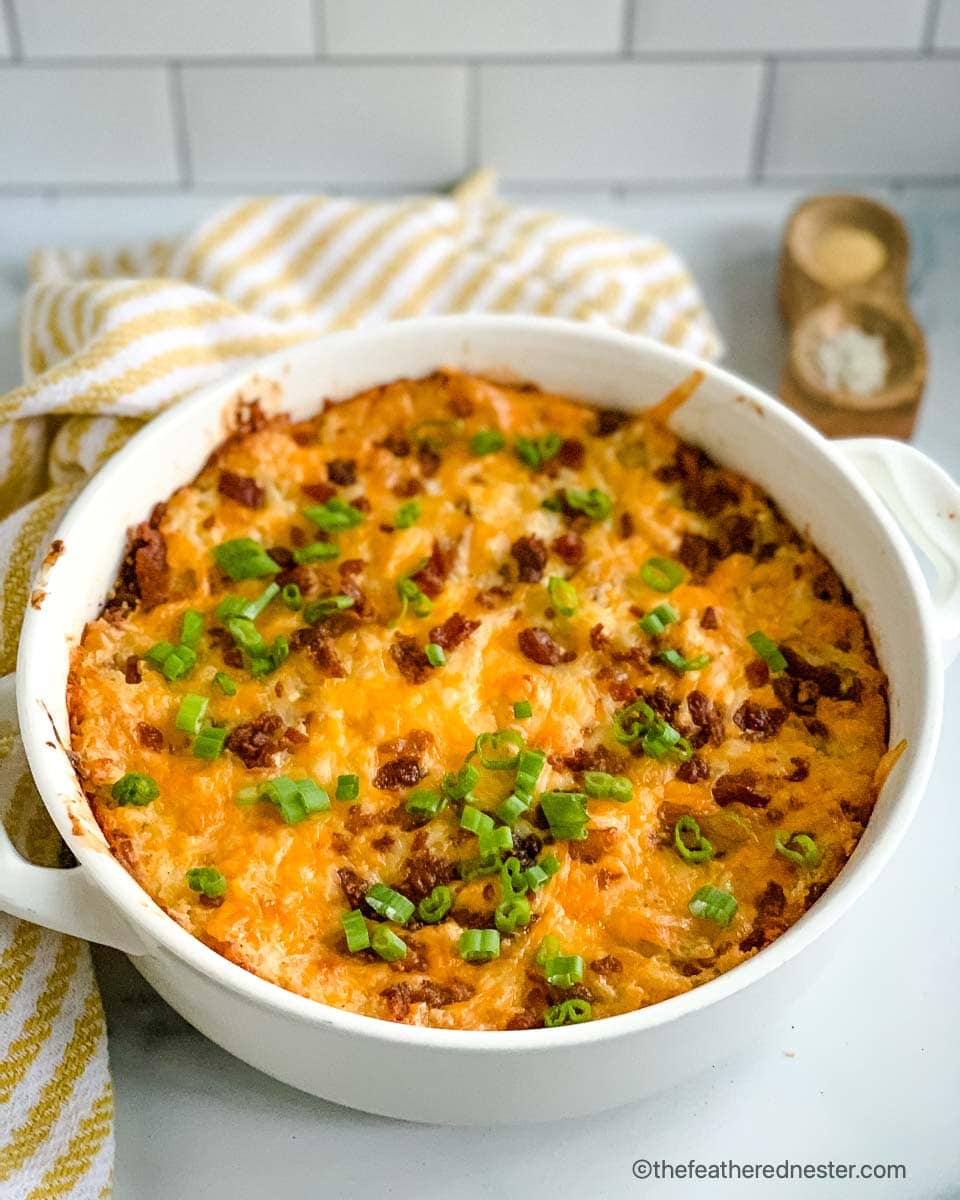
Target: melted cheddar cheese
(790, 752)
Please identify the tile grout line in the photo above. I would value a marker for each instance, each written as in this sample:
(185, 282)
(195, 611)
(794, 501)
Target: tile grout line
(13, 31)
(628, 26)
(761, 134)
(930, 24)
(318, 17)
(181, 132)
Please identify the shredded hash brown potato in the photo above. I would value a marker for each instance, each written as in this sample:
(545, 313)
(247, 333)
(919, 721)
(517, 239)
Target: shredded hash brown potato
(755, 749)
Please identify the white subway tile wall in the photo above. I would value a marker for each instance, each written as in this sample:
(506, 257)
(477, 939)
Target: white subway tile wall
(387, 95)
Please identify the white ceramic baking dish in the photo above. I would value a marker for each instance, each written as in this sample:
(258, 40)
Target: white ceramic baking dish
(827, 489)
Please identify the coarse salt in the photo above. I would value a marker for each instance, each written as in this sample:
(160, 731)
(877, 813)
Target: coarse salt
(853, 361)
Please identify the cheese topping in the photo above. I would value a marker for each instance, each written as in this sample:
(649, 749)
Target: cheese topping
(308, 698)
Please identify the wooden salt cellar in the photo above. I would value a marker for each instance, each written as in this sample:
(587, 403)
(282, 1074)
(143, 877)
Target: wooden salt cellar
(867, 291)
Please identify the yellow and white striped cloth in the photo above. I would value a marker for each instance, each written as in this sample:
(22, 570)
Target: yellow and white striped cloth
(110, 339)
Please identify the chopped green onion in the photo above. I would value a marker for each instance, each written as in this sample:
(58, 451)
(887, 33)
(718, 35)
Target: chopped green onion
(348, 787)
(798, 848)
(436, 434)
(191, 712)
(296, 799)
(512, 878)
(387, 944)
(549, 948)
(179, 661)
(487, 441)
(768, 650)
(458, 785)
(476, 868)
(209, 742)
(225, 683)
(522, 709)
(434, 908)
(435, 654)
(246, 635)
(512, 809)
(316, 552)
(529, 765)
(713, 904)
(411, 595)
(334, 516)
(268, 660)
(316, 610)
(662, 574)
(355, 928)
(243, 558)
(256, 607)
(191, 629)
(568, 1012)
(690, 843)
(654, 623)
(494, 841)
(566, 814)
(479, 945)
(390, 904)
(489, 746)
(536, 451)
(158, 654)
(594, 503)
(136, 789)
(247, 796)
(564, 971)
(314, 797)
(678, 663)
(537, 875)
(512, 914)
(608, 787)
(563, 596)
(207, 880)
(292, 597)
(407, 514)
(425, 802)
(474, 820)
(658, 737)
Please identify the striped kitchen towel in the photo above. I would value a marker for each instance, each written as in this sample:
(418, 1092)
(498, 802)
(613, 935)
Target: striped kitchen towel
(108, 340)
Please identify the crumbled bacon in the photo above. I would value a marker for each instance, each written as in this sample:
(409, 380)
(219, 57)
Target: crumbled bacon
(400, 996)
(321, 492)
(693, 770)
(740, 788)
(607, 421)
(531, 555)
(242, 489)
(758, 722)
(398, 773)
(537, 645)
(342, 471)
(699, 554)
(708, 619)
(411, 658)
(757, 672)
(572, 453)
(453, 631)
(398, 445)
(433, 575)
(149, 736)
(608, 965)
(569, 546)
(131, 669)
(258, 742)
(833, 681)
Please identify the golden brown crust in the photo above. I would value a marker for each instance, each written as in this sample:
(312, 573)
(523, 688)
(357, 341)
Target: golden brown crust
(797, 750)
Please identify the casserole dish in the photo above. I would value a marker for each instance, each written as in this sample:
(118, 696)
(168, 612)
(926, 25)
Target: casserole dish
(414, 1072)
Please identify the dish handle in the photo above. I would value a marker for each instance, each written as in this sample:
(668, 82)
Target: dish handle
(61, 899)
(926, 503)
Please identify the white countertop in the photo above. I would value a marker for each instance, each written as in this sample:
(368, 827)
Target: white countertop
(864, 1069)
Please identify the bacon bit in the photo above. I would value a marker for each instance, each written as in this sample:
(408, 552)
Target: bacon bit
(758, 722)
(298, 536)
(531, 555)
(599, 638)
(398, 445)
(537, 645)
(453, 631)
(407, 487)
(594, 758)
(834, 682)
(428, 459)
(416, 742)
(693, 770)
(361, 504)
(572, 453)
(304, 436)
(771, 902)
(627, 526)
(607, 421)
(423, 872)
(739, 789)
(604, 878)
(799, 695)
(282, 556)
(595, 845)
(149, 736)
(608, 965)
(384, 842)
(431, 578)
(569, 546)
(801, 769)
(325, 658)
(403, 772)
(663, 410)
(816, 727)
(353, 887)
(411, 658)
(295, 737)
(241, 489)
(131, 669)
(258, 742)
(489, 596)
(351, 566)
(321, 492)
(699, 554)
(56, 549)
(709, 618)
(757, 673)
(401, 996)
(618, 684)
(342, 471)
